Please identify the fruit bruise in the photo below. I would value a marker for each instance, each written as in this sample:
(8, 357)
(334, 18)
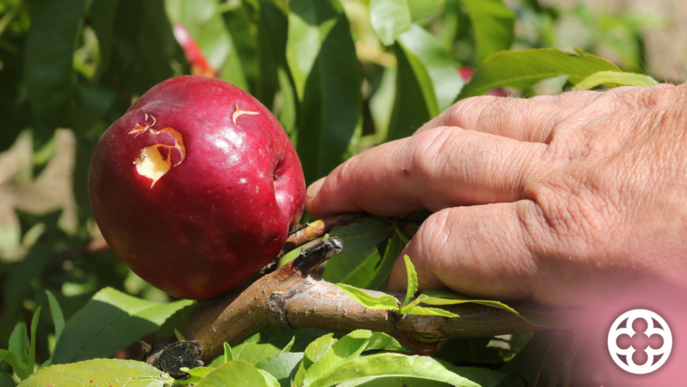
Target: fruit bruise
(196, 186)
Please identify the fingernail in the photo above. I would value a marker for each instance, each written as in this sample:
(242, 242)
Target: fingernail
(314, 189)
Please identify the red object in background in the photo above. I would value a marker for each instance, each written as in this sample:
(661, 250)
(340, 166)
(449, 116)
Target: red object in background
(466, 73)
(195, 57)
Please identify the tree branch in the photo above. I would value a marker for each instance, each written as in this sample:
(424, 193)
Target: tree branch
(295, 297)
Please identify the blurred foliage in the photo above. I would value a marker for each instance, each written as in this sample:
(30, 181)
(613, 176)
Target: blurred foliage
(341, 76)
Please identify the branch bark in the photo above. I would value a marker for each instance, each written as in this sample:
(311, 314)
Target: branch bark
(295, 297)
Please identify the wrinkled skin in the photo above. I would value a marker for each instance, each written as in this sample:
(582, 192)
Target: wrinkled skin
(557, 199)
(221, 212)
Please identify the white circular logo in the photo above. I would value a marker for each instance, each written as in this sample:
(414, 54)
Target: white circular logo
(640, 341)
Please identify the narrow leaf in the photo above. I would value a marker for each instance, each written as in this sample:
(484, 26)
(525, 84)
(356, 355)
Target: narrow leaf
(270, 341)
(288, 346)
(614, 78)
(57, 316)
(445, 80)
(32, 339)
(389, 18)
(228, 353)
(418, 310)
(100, 372)
(412, 280)
(492, 22)
(19, 349)
(521, 69)
(111, 320)
(369, 301)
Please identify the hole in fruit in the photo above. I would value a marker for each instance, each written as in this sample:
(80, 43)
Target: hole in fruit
(152, 164)
(242, 180)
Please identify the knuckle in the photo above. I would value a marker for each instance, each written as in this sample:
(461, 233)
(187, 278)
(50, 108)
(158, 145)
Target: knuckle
(467, 111)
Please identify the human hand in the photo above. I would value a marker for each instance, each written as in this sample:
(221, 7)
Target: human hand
(557, 199)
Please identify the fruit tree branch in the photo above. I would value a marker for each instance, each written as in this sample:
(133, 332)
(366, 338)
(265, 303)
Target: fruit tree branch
(296, 297)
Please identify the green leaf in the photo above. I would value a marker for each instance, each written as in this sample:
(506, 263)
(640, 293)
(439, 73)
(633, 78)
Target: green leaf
(48, 59)
(369, 301)
(195, 374)
(469, 350)
(110, 321)
(57, 316)
(362, 236)
(32, 340)
(614, 78)
(102, 372)
(282, 366)
(355, 269)
(389, 18)
(522, 69)
(237, 373)
(228, 353)
(386, 365)
(421, 9)
(347, 348)
(20, 368)
(313, 353)
(445, 80)
(18, 355)
(419, 310)
(270, 341)
(393, 250)
(441, 297)
(328, 79)
(288, 346)
(492, 22)
(412, 280)
(415, 102)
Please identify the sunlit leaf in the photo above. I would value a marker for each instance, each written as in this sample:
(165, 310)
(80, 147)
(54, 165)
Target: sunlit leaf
(521, 69)
(389, 18)
(613, 78)
(368, 368)
(369, 301)
(412, 280)
(237, 373)
(445, 80)
(100, 372)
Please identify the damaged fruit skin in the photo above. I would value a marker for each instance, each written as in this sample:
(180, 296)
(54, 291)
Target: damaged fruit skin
(196, 187)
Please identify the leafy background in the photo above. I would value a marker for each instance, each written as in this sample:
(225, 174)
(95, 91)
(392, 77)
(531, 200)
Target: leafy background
(340, 75)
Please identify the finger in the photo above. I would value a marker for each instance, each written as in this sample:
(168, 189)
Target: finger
(436, 169)
(516, 118)
(479, 251)
(576, 99)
